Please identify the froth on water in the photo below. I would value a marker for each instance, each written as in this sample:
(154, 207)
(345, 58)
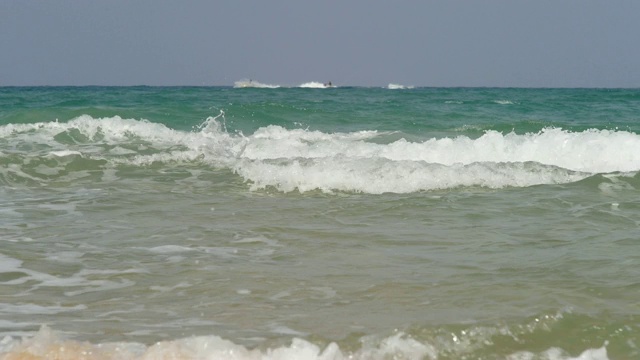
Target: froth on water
(477, 343)
(305, 160)
(304, 223)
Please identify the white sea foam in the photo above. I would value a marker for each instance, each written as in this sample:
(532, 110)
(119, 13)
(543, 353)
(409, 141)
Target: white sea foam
(558, 354)
(83, 281)
(304, 160)
(47, 344)
(63, 153)
(112, 130)
(591, 151)
(504, 102)
(293, 160)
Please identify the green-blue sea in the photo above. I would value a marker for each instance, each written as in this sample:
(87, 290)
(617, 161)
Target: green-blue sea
(316, 222)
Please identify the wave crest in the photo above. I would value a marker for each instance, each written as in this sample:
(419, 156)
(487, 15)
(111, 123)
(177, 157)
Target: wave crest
(305, 160)
(46, 344)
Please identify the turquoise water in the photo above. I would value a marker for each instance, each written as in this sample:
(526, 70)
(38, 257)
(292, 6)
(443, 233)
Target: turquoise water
(366, 223)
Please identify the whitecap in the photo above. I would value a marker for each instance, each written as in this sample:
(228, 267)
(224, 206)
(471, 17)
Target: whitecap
(47, 343)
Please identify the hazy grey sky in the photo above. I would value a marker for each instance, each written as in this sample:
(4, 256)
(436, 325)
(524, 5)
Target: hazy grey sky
(537, 43)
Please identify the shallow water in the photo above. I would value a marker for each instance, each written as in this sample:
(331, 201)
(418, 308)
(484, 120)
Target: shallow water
(182, 216)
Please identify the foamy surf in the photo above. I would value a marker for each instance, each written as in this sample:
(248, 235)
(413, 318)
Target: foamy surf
(47, 344)
(306, 160)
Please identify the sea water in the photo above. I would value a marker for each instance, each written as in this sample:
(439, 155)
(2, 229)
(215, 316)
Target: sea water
(272, 222)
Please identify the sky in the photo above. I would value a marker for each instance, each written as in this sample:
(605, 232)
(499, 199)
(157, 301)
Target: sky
(489, 43)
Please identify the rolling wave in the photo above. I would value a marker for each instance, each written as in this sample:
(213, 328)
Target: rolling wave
(305, 160)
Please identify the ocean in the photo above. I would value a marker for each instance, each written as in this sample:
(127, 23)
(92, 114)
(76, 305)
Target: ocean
(272, 222)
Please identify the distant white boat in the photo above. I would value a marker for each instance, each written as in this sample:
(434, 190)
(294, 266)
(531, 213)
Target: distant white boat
(317, 85)
(253, 84)
(398, 87)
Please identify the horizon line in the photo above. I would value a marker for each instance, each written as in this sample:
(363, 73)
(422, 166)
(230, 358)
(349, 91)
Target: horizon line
(405, 87)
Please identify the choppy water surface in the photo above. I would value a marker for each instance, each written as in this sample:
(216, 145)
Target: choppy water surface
(319, 223)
